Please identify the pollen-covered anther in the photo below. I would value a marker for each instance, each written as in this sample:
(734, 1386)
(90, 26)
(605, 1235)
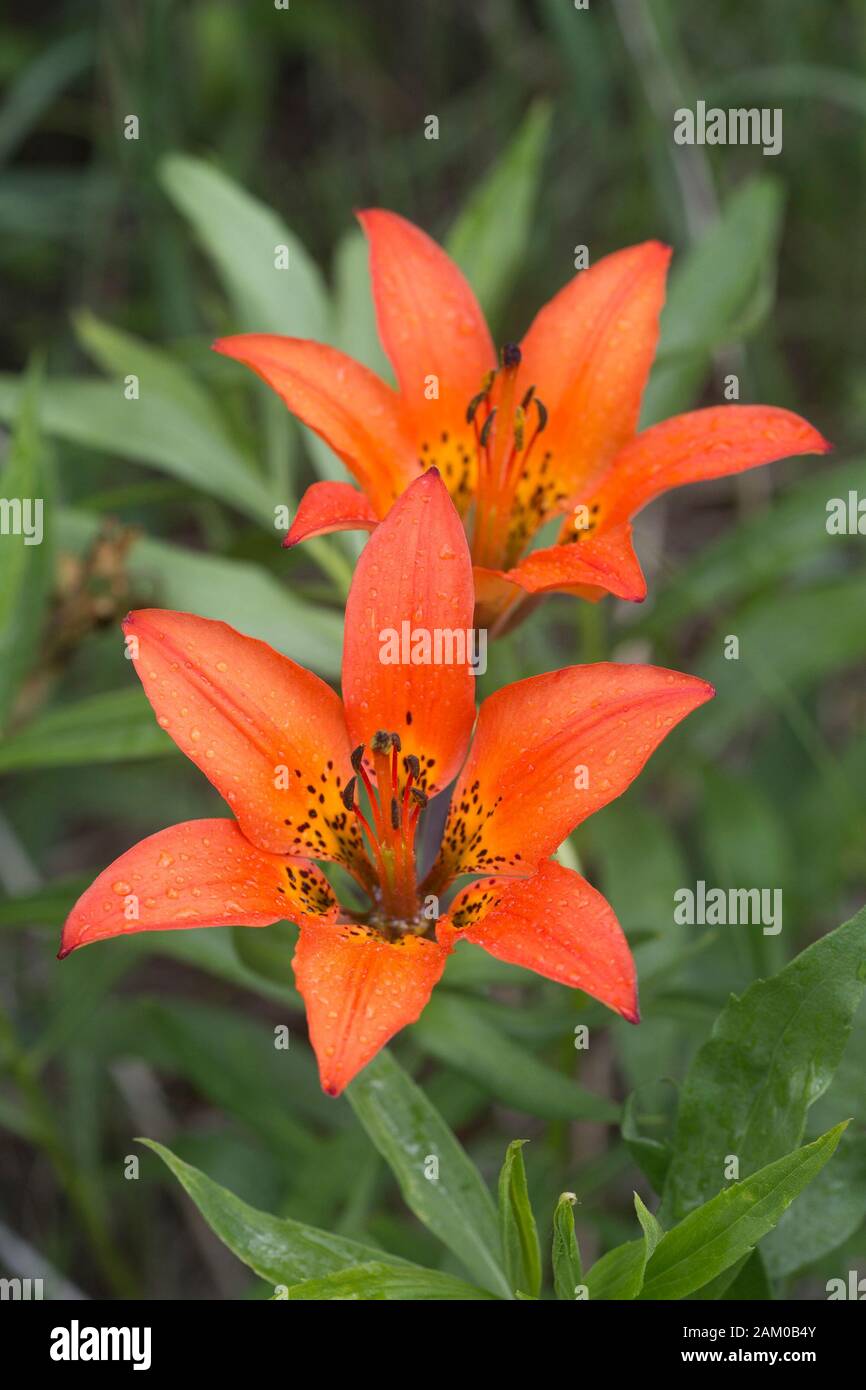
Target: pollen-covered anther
(486, 429)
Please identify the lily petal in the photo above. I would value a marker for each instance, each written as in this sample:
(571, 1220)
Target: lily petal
(270, 736)
(361, 418)
(551, 750)
(602, 562)
(327, 507)
(554, 923)
(202, 873)
(588, 354)
(703, 444)
(359, 990)
(413, 585)
(436, 338)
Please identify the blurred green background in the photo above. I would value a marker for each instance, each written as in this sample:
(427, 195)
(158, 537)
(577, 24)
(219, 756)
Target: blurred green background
(259, 126)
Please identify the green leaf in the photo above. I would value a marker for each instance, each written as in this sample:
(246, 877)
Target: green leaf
(726, 1228)
(719, 290)
(155, 430)
(620, 1273)
(281, 1251)
(832, 1209)
(241, 236)
(409, 1133)
(652, 1228)
(119, 354)
(452, 1030)
(520, 1248)
(108, 728)
(379, 1282)
(237, 592)
(567, 1267)
(771, 1054)
(487, 244)
(27, 561)
(750, 1282)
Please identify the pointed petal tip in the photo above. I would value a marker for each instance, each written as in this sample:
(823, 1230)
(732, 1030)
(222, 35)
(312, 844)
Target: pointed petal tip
(661, 249)
(228, 347)
(64, 952)
(824, 445)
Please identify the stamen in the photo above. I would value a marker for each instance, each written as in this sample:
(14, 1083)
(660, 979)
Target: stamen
(473, 406)
(504, 443)
(519, 422)
(395, 814)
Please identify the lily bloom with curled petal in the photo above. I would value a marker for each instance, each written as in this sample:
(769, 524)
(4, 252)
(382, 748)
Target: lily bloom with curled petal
(549, 430)
(310, 777)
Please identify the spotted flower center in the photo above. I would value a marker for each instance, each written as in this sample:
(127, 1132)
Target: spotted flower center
(395, 798)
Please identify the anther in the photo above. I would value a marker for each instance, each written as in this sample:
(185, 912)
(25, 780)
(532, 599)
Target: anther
(396, 743)
(357, 757)
(542, 413)
(413, 765)
(519, 422)
(395, 813)
(347, 795)
(486, 428)
(419, 796)
(528, 397)
(473, 406)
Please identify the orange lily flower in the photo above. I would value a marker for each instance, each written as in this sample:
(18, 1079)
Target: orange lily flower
(550, 430)
(312, 778)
